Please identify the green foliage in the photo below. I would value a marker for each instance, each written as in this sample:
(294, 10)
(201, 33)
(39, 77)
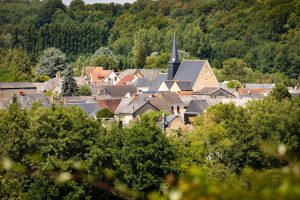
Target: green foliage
(280, 92)
(104, 113)
(50, 62)
(104, 57)
(41, 78)
(69, 87)
(15, 65)
(234, 84)
(85, 91)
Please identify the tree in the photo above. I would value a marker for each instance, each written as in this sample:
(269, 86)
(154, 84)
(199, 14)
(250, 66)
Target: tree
(104, 113)
(85, 91)
(49, 8)
(77, 5)
(50, 62)
(280, 92)
(104, 57)
(139, 50)
(69, 87)
(233, 69)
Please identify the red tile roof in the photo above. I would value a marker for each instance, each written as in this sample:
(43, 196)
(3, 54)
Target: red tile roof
(126, 79)
(99, 74)
(110, 104)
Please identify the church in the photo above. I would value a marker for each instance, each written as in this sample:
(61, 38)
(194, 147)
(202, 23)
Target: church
(192, 75)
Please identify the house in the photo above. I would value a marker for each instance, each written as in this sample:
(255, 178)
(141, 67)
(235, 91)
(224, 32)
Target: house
(26, 100)
(109, 103)
(127, 79)
(168, 102)
(256, 93)
(150, 74)
(100, 75)
(154, 87)
(142, 84)
(118, 91)
(214, 92)
(7, 89)
(197, 106)
(131, 108)
(174, 123)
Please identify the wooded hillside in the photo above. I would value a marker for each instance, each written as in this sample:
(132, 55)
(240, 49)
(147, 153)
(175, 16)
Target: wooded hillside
(265, 34)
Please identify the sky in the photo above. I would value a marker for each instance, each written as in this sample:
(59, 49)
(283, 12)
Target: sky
(67, 2)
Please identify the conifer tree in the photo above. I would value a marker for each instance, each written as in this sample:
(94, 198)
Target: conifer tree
(69, 87)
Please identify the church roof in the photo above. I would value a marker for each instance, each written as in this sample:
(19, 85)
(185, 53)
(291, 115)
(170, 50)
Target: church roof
(174, 56)
(189, 70)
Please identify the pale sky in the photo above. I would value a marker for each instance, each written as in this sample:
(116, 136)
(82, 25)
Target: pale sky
(67, 2)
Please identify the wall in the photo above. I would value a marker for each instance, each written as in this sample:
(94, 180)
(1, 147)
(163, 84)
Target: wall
(206, 78)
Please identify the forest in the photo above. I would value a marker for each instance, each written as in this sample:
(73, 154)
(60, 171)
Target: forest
(261, 37)
(233, 152)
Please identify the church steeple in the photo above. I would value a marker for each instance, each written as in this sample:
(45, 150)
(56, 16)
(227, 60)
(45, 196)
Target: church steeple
(174, 61)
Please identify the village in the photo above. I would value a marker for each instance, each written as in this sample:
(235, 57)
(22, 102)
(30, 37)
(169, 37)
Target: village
(187, 89)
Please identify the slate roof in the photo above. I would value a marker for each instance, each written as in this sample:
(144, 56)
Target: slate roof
(184, 85)
(16, 85)
(119, 90)
(207, 90)
(160, 103)
(88, 99)
(174, 55)
(199, 106)
(132, 107)
(186, 99)
(151, 74)
(142, 82)
(169, 83)
(256, 86)
(27, 100)
(189, 70)
(158, 81)
(170, 118)
(171, 97)
(90, 108)
(123, 104)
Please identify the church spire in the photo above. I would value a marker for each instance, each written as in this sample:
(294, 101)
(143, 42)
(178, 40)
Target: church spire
(174, 56)
(174, 61)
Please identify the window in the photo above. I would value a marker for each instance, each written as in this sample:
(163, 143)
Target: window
(115, 79)
(172, 109)
(178, 109)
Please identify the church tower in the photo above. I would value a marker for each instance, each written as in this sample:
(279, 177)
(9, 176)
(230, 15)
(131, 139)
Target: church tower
(174, 61)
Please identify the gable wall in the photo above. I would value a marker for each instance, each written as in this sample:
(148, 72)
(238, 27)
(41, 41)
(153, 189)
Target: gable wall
(175, 88)
(163, 87)
(206, 78)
